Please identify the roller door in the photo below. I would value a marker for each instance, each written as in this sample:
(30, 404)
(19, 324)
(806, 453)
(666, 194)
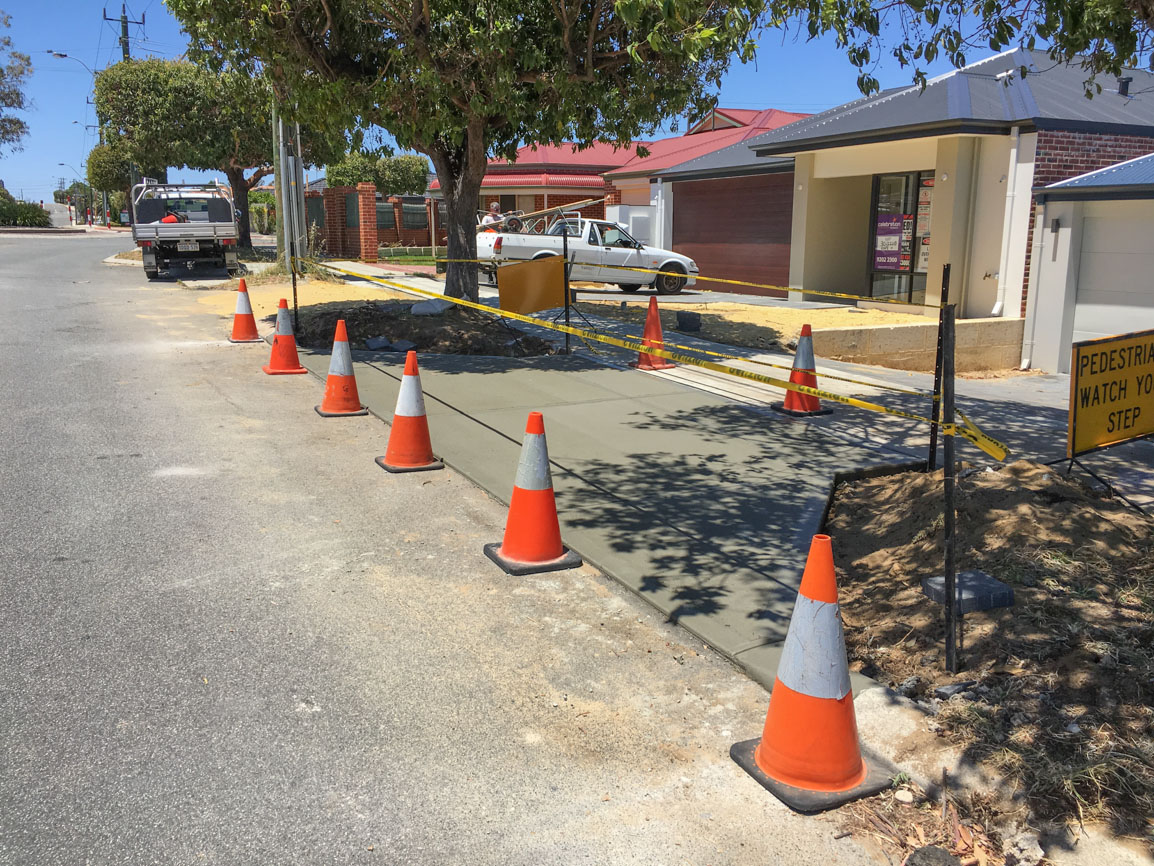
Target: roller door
(736, 229)
(1115, 290)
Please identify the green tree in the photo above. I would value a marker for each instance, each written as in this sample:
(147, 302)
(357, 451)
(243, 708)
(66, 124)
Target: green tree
(173, 113)
(460, 82)
(14, 71)
(392, 175)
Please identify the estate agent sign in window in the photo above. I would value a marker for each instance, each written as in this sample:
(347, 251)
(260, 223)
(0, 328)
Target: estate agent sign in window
(900, 229)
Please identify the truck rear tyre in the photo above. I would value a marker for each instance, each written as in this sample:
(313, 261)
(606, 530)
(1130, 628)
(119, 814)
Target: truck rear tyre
(152, 273)
(670, 281)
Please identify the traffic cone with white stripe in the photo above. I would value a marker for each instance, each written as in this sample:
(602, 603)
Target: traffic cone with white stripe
(808, 755)
(409, 448)
(653, 337)
(532, 541)
(804, 372)
(284, 359)
(341, 396)
(244, 322)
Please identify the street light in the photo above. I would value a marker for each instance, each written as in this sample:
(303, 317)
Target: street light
(64, 56)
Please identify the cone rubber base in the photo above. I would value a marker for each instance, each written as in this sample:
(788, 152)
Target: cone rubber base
(362, 411)
(567, 560)
(793, 413)
(273, 372)
(436, 464)
(879, 776)
(661, 364)
(253, 340)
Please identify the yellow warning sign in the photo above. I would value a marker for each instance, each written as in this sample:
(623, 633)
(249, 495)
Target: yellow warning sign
(1111, 392)
(529, 287)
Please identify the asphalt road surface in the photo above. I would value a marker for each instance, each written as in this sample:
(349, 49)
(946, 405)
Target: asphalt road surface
(230, 638)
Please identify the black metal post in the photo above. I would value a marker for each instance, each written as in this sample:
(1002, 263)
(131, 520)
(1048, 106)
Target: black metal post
(936, 409)
(565, 253)
(947, 417)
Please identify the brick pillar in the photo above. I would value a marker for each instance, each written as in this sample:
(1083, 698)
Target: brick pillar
(367, 205)
(334, 197)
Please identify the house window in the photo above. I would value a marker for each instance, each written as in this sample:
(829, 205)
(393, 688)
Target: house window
(900, 236)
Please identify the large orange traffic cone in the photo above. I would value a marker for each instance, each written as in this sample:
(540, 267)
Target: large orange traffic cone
(808, 755)
(804, 372)
(284, 359)
(653, 338)
(244, 323)
(409, 448)
(532, 540)
(341, 396)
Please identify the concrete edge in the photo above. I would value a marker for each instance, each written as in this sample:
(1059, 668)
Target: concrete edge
(55, 230)
(113, 260)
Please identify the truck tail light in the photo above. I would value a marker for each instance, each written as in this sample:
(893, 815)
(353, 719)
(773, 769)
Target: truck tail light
(145, 244)
(497, 246)
(228, 242)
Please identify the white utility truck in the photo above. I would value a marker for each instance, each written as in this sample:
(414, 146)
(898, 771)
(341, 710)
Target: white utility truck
(600, 252)
(184, 225)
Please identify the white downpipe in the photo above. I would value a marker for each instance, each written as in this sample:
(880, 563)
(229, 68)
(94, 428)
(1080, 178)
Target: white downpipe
(1008, 222)
(1032, 298)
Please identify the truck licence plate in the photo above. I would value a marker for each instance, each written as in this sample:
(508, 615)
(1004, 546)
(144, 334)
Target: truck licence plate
(188, 246)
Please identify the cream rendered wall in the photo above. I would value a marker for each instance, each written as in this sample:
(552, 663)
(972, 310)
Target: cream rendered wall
(914, 154)
(1019, 210)
(950, 216)
(980, 291)
(634, 190)
(829, 244)
(1053, 287)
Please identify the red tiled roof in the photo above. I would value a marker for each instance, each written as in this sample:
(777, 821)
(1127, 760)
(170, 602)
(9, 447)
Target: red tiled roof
(681, 148)
(598, 156)
(509, 179)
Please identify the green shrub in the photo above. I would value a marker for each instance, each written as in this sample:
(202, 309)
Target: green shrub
(23, 214)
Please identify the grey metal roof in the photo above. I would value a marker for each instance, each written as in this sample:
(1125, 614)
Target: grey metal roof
(1130, 173)
(980, 97)
(1131, 179)
(737, 159)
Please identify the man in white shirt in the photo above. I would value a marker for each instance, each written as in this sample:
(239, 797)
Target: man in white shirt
(494, 214)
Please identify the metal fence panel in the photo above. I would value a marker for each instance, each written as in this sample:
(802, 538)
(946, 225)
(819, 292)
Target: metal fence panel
(386, 219)
(414, 216)
(352, 210)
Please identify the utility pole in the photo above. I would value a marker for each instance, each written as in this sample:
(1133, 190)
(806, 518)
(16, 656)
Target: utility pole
(124, 22)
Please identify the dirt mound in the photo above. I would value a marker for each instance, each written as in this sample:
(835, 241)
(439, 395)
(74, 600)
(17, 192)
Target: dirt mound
(456, 331)
(1059, 687)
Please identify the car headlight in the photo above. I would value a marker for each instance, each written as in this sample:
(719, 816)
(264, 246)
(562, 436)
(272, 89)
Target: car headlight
(693, 269)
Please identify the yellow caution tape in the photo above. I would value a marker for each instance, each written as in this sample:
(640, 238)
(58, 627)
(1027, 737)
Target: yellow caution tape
(968, 429)
(699, 277)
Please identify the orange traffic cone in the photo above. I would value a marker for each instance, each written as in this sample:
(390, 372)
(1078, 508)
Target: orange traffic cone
(808, 755)
(284, 358)
(804, 372)
(532, 540)
(341, 396)
(652, 337)
(244, 323)
(409, 448)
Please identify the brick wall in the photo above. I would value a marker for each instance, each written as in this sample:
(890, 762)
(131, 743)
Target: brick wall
(593, 211)
(1062, 154)
(367, 231)
(337, 240)
(612, 194)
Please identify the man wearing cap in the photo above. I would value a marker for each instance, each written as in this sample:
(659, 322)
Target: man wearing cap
(494, 214)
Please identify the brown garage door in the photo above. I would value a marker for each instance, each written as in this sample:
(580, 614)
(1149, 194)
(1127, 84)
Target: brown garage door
(736, 228)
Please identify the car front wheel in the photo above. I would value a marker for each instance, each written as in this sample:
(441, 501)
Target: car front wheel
(670, 281)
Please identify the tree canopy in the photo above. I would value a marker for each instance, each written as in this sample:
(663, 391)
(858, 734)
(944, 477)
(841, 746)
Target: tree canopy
(14, 71)
(393, 175)
(462, 82)
(175, 113)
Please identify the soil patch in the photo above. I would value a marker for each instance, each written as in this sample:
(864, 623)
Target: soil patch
(1057, 691)
(754, 327)
(456, 331)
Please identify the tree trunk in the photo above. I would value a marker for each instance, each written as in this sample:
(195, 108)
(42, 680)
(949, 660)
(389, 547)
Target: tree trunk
(460, 170)
(240, 200)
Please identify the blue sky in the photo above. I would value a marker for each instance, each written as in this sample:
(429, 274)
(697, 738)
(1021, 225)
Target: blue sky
(789, 74)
